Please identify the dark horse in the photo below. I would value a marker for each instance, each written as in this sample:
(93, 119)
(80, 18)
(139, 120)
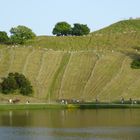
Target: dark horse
(16, 101)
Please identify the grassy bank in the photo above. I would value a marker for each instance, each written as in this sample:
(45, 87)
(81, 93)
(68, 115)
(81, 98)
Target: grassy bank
(30, 106)
(108, 106)
(69, 106)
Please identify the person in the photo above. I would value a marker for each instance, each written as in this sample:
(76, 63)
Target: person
(10, 101)
(130, 100)
(27, 102)
(122, 100)
(96, 100)
(135, 102)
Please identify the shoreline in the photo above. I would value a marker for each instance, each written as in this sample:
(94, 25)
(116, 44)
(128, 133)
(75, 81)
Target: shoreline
(67, 106)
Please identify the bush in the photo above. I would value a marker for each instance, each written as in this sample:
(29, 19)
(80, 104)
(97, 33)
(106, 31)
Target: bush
(135, 64)
(16, 81)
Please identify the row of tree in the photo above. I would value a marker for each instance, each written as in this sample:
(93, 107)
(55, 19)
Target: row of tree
(16, 82)
(65, 29)
(18, 35)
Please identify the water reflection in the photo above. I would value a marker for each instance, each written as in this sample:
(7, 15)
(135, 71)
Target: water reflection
(70, 118)
(119, 124)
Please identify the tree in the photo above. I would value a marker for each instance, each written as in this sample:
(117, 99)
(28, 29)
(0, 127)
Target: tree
(9, 84)
(26, 90)
(24, 84)
(62, 28)
(16, 81)
(80, 29)
(3, 37)
(135, 64)
(20, 34)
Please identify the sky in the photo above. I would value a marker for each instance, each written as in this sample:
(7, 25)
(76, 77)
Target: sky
(42, 15)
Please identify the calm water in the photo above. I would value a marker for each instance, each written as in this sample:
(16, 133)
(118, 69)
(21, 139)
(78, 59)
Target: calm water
(118, 124)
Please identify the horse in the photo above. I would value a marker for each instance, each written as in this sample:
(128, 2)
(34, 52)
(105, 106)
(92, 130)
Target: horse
(16, 101)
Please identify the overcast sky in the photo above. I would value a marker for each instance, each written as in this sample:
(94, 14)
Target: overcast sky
(42, 15)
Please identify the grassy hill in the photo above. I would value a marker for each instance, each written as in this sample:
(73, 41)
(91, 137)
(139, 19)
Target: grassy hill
(87, 67)
(119, 36)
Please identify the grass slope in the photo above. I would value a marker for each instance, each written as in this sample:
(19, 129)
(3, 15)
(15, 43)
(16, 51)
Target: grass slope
(123, 35)
(85, 68)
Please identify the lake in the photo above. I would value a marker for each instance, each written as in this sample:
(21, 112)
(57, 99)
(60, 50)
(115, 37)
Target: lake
(70, 124)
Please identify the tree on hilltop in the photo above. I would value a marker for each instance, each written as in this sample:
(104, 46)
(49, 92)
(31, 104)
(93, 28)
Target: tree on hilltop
(80, 29)
(62, 29)
(3, 37)
(20, 34)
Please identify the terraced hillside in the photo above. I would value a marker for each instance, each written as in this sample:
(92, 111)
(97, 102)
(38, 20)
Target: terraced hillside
(85, 68)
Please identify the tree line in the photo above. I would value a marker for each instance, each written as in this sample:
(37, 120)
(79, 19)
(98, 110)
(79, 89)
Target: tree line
(65, 29)
(20, 34)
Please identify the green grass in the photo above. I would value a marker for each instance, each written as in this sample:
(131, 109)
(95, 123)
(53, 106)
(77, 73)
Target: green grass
(94, 66)
(30, 106)
(69, 106)
(124, 27)
(53, 93)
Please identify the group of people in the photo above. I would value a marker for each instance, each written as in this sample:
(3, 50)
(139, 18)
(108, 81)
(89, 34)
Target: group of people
(13, 101)
(130, 101)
